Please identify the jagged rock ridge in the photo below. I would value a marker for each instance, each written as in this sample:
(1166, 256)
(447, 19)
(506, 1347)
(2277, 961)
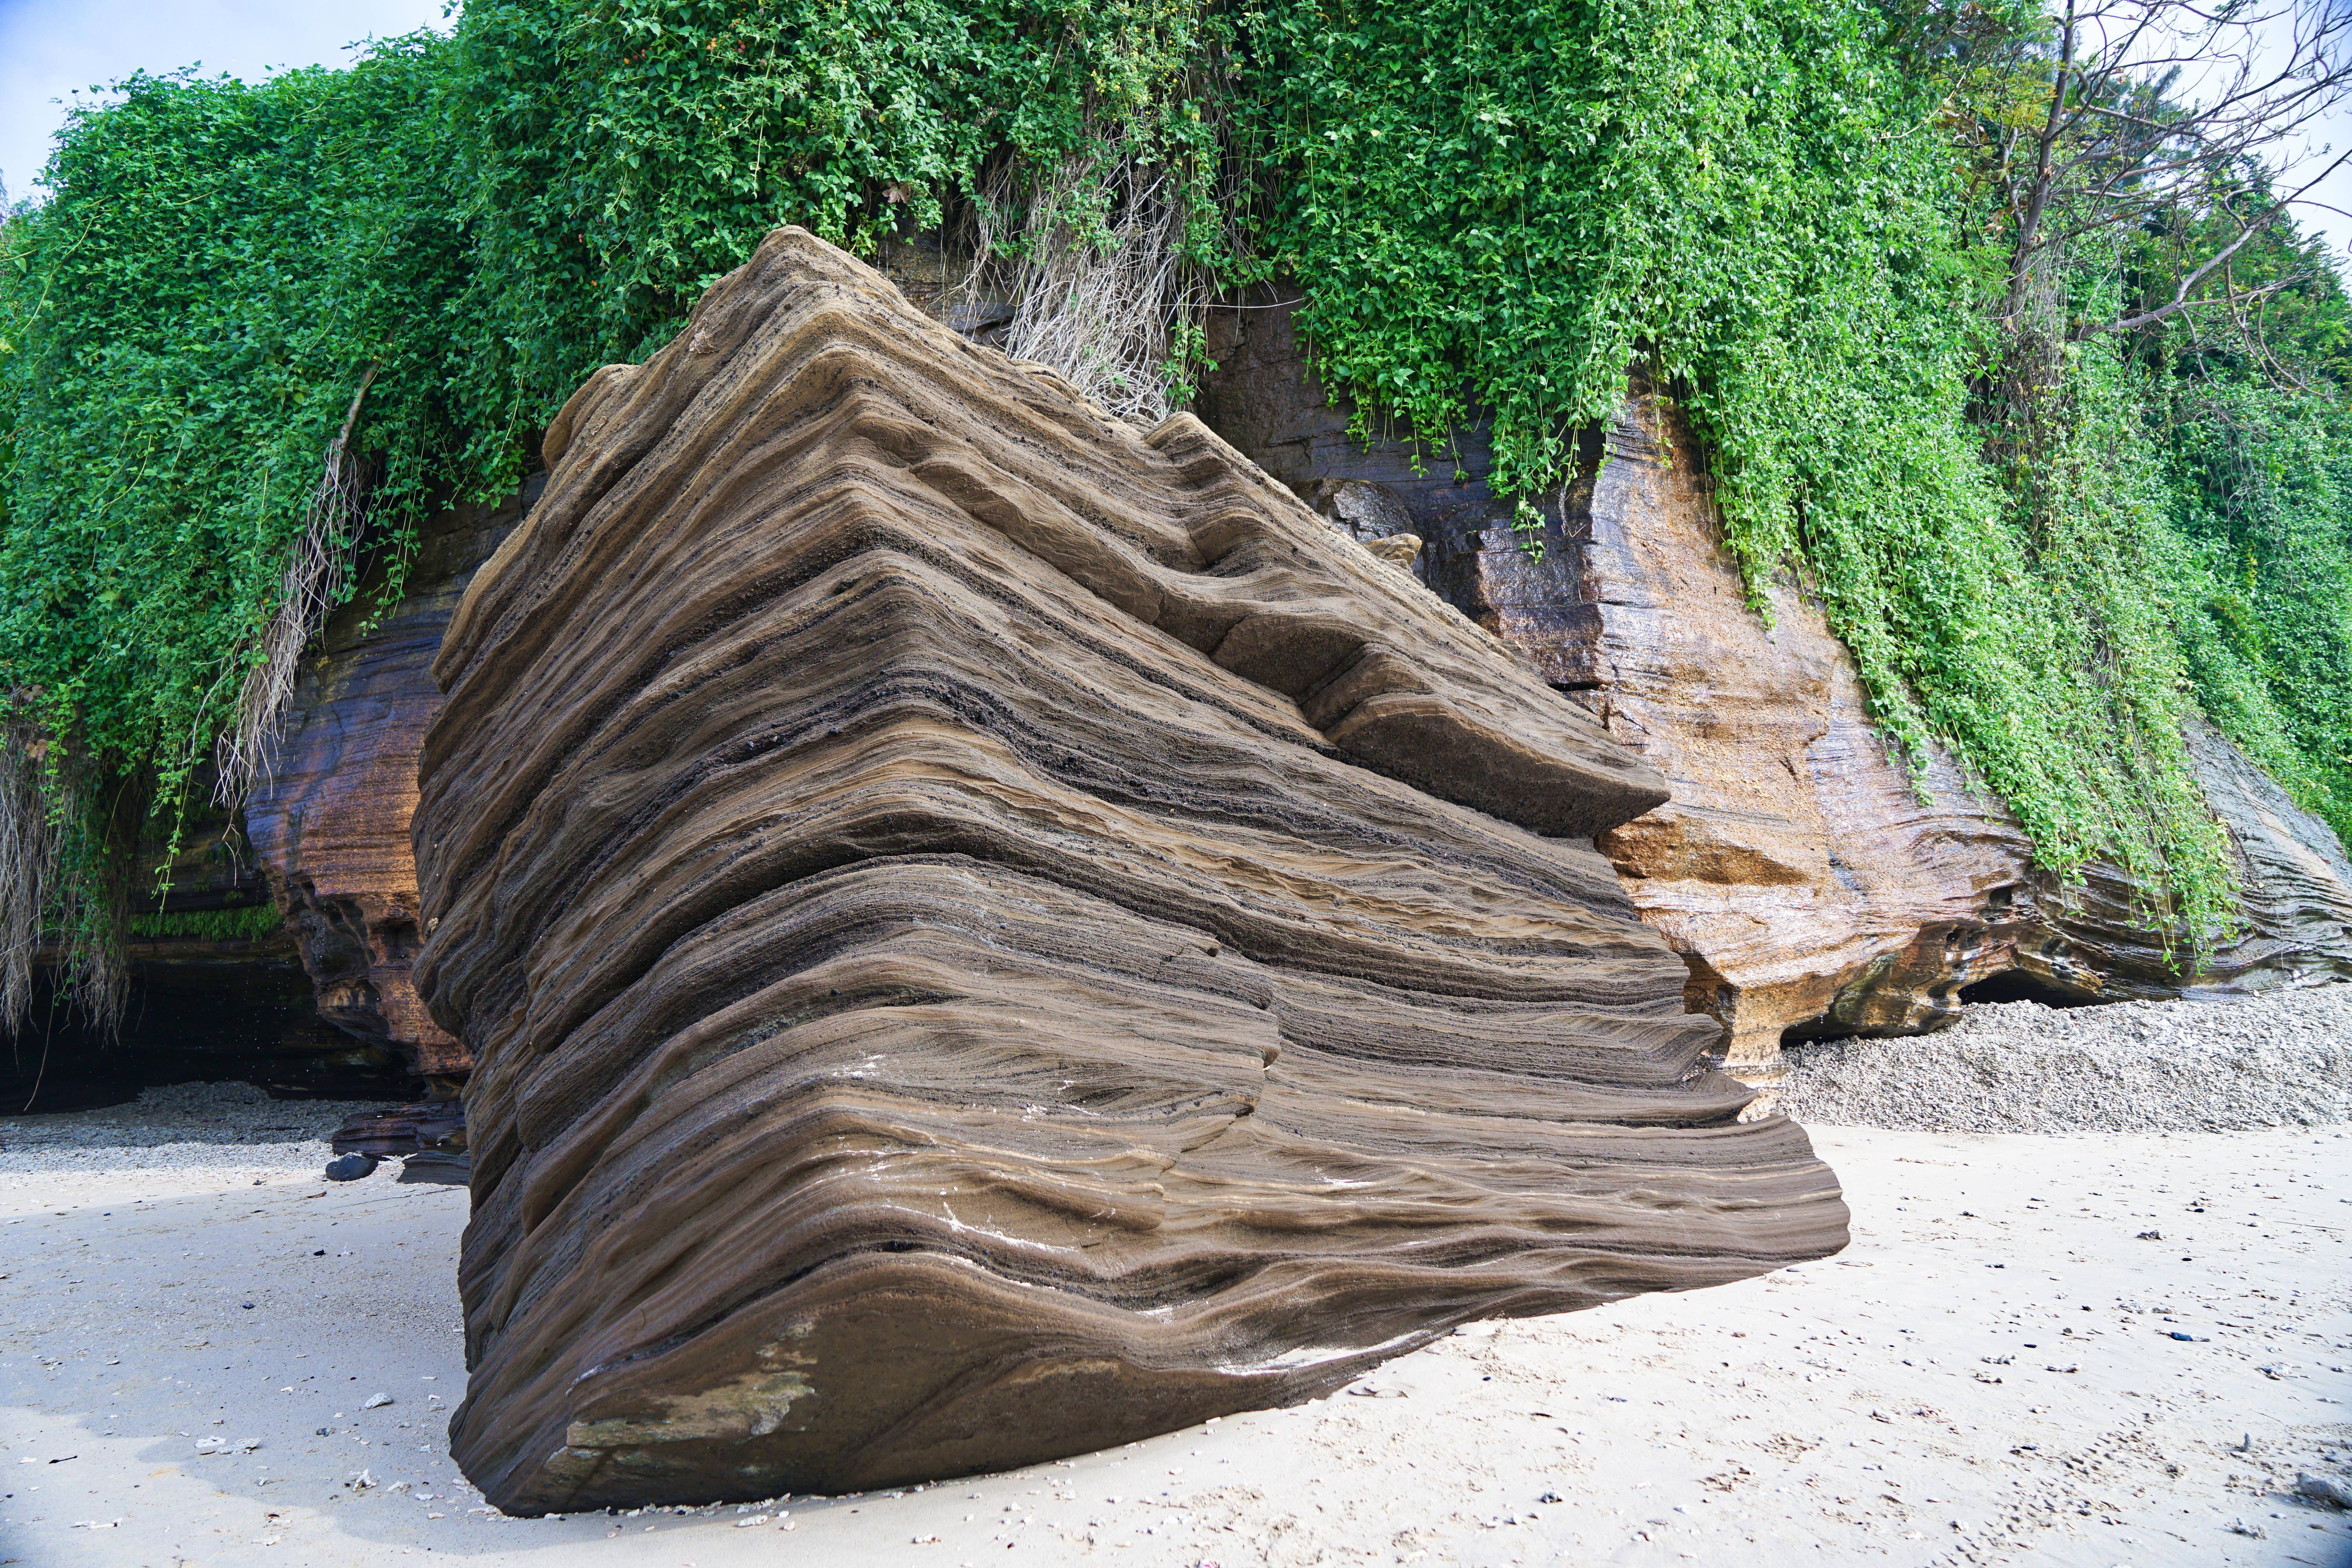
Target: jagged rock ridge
(987, 933)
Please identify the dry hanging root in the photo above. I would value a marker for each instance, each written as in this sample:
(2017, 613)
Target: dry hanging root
(61, 877)
(62, 872)
(1095, 301)
(313, 585)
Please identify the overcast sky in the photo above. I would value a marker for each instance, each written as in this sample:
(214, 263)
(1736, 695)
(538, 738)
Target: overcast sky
(52, 49)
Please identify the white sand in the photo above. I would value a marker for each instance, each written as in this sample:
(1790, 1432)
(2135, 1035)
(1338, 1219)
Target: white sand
(1893, 1404)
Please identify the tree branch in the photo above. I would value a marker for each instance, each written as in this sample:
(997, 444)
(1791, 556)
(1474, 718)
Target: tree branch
(2180, 299)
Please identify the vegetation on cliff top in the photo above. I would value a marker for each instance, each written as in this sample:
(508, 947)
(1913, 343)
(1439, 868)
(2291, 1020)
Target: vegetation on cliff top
(1893, 321)
(2046, 543)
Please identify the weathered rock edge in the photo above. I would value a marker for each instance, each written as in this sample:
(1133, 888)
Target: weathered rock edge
(1816, 887)
(988, 934)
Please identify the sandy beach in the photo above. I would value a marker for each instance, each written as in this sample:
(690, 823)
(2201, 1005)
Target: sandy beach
(1995, 1372)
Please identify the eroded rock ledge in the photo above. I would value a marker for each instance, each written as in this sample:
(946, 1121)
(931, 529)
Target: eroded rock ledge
(1813, 890)
(987, 933)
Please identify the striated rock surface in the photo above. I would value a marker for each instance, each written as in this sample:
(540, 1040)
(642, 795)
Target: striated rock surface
(1797, 868)
(437, 1124)
(330, 826)
(988, 933)
(1814, 891)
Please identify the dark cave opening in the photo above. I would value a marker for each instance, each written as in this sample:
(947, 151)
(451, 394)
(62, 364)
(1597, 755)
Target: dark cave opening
(2017, 985)
(254, 1023)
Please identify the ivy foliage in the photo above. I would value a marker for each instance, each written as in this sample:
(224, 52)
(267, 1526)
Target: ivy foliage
(624, 154)
(1499, 207)
(186, 321)
(251, 922)
(2258, 478)
(1492, 209)
(481, 220)
(184, 327)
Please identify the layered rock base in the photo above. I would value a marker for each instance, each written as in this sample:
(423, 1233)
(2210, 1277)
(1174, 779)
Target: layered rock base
(987, 933)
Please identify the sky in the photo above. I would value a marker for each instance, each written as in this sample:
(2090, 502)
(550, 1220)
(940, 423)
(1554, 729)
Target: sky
(49, 49)
(52, 49)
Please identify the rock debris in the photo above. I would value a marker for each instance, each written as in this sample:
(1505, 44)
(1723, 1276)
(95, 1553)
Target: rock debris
(2282, 1059)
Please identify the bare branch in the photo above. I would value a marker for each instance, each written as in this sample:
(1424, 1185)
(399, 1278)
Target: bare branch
(2180, 300)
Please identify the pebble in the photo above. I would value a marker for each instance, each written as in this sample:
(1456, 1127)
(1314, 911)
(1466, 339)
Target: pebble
(2329, 1489)
(376, 1402)
(2282, 1059)
(181, 1127)
(351, 1167)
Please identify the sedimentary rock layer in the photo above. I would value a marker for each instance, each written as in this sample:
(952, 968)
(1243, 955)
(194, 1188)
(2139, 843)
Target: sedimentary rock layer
(988, 933)
(329, 820)
(1807, 882)
(1816, 887)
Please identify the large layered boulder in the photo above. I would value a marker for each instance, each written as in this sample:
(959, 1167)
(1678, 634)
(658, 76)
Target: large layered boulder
(986, 932)
(1812, 885)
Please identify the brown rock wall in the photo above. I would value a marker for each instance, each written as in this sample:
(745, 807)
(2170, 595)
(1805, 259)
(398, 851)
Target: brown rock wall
(1795, 864)
(1812, 887)
(330, 826)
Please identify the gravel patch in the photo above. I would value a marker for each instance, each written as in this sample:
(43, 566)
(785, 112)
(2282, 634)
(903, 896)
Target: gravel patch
(2276, 1060)
(185, 1127)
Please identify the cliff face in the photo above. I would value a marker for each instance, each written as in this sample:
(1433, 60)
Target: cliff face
(988, 934)
(330, 826)
(217, 991)
(1805, 879)
(323, 1004)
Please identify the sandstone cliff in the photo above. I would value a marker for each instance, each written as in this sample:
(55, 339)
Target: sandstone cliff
(330, 823)
(988, 933)
(322, 1004)
(217, 991)
(1812, 888)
